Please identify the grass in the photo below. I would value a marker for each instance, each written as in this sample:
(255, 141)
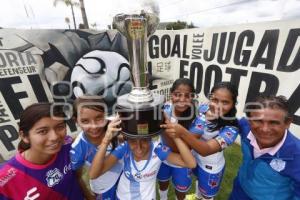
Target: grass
(233, 160)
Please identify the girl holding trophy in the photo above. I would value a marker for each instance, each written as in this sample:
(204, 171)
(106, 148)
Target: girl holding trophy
(142, 158)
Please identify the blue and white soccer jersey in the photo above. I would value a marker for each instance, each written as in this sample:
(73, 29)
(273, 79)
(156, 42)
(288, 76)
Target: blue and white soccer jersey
(210, 168)
(138, 179)
(181, 176)
(82, 153)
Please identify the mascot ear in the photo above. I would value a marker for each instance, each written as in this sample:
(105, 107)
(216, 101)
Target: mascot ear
(53, 55)
(55, 65)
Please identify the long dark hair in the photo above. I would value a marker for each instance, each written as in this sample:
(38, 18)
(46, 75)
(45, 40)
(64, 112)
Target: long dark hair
(229, 119)
(32, 114)
(92, 102)
(189, 114)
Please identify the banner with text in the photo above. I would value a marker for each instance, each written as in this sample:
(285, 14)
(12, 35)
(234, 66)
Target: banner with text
(261, 58)
(58, 65)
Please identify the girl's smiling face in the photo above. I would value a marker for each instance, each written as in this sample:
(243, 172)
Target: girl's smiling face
(140, 148)
(46, 137)
(220, 102)
(92, 122)
(182, 98)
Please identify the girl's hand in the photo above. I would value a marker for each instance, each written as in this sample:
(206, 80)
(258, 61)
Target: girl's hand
(214, 111)
(171, 129)
(112, 130)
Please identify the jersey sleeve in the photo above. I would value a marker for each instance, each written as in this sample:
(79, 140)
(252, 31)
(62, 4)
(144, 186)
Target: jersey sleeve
(167, 107)
(198, 124)
(3, 197)
(244, 127)
(120, 151)
(162, 151)
(203, 108)
(5, 176)
(77, 155)
(227, 136)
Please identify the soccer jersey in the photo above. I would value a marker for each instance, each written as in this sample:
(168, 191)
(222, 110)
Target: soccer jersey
(225, 136)
(138, 179)
(20, 179)
(82, 153)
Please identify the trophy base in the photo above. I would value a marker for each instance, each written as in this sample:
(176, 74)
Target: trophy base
(141, 120)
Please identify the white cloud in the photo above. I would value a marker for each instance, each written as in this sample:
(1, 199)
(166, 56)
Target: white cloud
(42, 13)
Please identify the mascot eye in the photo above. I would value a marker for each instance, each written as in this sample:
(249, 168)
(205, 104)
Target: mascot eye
(92, 65)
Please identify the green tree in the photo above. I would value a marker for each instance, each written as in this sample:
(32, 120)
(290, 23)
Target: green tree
(179, 25)
(191, 25)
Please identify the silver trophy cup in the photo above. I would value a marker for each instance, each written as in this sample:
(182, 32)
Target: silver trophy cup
(140, 110)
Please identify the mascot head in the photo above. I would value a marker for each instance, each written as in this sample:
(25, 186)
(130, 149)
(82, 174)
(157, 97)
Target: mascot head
(104, 73)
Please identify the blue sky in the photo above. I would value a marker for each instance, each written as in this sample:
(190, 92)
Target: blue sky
(203, 13)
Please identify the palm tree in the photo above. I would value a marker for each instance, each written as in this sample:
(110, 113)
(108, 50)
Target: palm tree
(83, 13)
(94, 25)
(70, 3)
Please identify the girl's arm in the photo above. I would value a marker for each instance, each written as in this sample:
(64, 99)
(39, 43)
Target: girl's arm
(170, 142)
(184, 158)
(100, 164)
(88, 195)
(204, 148)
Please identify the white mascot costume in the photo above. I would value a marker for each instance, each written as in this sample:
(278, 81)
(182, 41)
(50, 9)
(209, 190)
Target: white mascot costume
(104, 73)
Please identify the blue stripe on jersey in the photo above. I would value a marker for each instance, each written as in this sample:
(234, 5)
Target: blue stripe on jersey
(135, 190)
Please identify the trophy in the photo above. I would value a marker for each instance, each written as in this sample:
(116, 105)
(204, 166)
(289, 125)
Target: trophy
(140, 110)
